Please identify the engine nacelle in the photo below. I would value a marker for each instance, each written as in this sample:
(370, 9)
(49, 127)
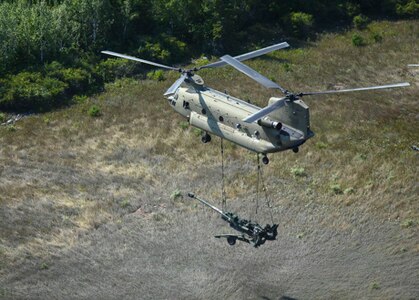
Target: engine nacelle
(270, 124)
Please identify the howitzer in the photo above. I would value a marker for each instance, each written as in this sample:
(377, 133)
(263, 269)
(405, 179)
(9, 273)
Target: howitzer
(252, 233)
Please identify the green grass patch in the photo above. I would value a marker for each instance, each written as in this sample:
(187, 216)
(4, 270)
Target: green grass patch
(176, 194)
(184, 125)
(44, 266)
(125, 203)
(336, 189)
(298, 172)
(375, 286)
(94, 111)
(11, 128)
(159, 217)
(349, 191)
(197, 132)
(408, 223)
(321, 145)
(80, 98)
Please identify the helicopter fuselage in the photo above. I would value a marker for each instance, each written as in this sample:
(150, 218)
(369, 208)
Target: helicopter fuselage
(283, 124)
(222, 115)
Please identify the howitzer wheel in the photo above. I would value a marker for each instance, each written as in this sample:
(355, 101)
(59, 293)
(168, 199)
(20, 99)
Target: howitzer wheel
(231, 240)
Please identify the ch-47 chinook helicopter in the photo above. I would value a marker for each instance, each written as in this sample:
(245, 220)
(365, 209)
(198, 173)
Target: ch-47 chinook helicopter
(283, 124)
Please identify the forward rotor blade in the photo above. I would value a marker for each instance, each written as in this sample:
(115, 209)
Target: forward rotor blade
(175, 85)
(413, 65)
(139, 60)
(265, 111)
(379, 87)
(251, 73)
(249, 55)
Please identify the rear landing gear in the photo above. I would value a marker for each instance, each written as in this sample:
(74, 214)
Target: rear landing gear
(265, 160)
(206, 138)
(295, 149)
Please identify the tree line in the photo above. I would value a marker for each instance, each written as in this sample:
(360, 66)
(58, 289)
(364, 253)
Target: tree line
(50, 48)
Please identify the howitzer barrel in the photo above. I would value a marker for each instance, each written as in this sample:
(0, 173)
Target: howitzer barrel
(192, 195)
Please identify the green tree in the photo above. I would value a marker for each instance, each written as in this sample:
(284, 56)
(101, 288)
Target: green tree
(92, 21)
(8, 36)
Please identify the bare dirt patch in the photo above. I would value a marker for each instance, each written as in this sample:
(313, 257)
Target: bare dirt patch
(164, 249)
(135, 260)
(93, 207)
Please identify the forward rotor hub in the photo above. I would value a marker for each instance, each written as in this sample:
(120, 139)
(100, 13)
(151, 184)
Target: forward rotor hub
(292, 97)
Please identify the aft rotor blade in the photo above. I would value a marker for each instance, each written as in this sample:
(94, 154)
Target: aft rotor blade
(251, 73)
(413, 65)
(265, 111)
(175, 85)
(379, 87)
(249, 55)
(139, 60)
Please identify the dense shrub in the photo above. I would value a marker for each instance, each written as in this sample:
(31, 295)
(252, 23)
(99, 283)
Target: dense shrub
(357, 40)
(157, 75)
(113, 68)
(166, 49)
(202, 61)
(410, 9)
(154, 51)
(352, 9)
(77, 79)
(26, 91)
(301, 23)
(361, 21)
(178, 50)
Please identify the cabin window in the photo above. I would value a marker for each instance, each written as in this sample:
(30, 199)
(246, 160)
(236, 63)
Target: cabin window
(186, 105)
(172, 100)
(221, 119)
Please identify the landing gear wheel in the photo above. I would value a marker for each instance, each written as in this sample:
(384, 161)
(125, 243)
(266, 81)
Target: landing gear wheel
(231, 240)
(295, 150)
(206, 138)
(265, 160)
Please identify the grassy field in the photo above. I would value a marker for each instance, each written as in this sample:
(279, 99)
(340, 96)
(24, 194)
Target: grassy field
(64, 174)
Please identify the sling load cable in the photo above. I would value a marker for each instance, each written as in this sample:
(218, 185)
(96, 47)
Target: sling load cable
(223, 192)
(261, 181)
(257, 183)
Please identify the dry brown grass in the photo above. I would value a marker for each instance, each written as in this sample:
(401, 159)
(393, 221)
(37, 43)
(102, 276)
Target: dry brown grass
(64, 172)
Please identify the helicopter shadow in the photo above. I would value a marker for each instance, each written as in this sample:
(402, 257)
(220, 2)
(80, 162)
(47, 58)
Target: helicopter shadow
(280, 298)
